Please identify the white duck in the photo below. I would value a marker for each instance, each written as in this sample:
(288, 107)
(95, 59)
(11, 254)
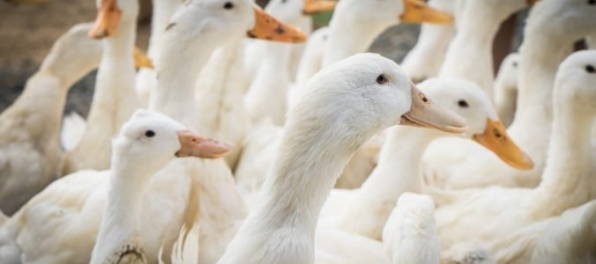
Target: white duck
(410, 235)
(469, 55)
(114, 99)
(29, 127)
(424, 60)
(544, 48)
(174, 197)
(365, 211)
(477, 214)
(505, 89)
(146, 143)
(346, 104)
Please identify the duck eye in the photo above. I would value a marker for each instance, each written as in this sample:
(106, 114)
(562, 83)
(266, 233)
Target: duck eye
(590, 68)
(382, 79)
(591, 2)
(515, 64)
(228, 5)
(149, 133)
(463, 104)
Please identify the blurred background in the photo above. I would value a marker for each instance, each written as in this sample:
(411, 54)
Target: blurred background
(28, 31)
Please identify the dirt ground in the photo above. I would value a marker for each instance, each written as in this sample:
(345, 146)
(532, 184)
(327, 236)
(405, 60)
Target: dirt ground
(27, 33)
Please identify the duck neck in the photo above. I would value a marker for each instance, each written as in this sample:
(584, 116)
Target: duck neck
(311, 61)
(114, 97)
(177, 69)
(221, 87)
(469, 55)
(122, 215)
(398, 169)
(302, 177)
(114, 100)
(348, 37)
(425, 59)
(162, 12)
(427, 56)
(541, 53)
(567, 181)
(42, 101)
(505, 98)
(272, 81)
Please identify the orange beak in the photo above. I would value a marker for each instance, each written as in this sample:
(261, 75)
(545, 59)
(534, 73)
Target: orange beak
(417, 12)
(495, 139)
(107, 20)
(141, 60)
(312, 7)
(269, 28)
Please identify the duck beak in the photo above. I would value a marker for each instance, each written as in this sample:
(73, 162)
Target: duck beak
(269, 28)
(495, 139)
(426, 113)
(195, 145)
(141, 60)
(312, 7)
(107, 20)
(416, 12)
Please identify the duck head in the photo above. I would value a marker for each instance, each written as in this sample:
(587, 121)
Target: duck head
(484, 127)
(367, 93)
(153, 139)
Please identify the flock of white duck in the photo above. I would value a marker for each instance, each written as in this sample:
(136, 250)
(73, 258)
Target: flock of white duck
(281, 124)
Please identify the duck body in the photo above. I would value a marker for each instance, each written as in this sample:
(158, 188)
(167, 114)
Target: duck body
(30, 127)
